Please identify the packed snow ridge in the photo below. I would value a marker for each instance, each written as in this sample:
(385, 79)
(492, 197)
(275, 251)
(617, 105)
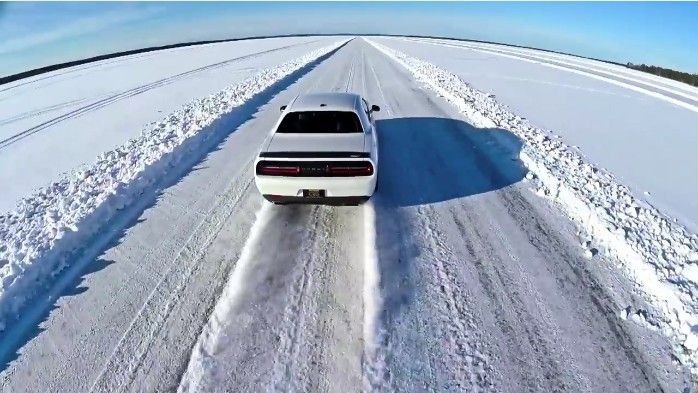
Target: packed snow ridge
(38, 238)
(656, 252)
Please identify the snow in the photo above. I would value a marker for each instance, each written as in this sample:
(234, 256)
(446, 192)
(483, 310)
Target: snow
(472, 283)
(53, 123)
(636, 84)
(651, 247)
(593, 67)
(623, 120)
(690, 273)
(374, 362)
(39, 236)
(200, 370)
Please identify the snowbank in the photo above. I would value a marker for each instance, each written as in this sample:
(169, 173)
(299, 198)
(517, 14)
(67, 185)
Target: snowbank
(658, 254)
(38, 239)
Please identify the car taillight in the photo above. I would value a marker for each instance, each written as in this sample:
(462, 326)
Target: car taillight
(364, 169)
(278, 170)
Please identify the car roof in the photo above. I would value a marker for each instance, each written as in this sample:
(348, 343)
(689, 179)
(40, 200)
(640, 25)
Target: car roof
(326, 102)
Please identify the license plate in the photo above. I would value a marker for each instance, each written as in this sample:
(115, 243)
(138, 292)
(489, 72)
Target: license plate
(313, 193)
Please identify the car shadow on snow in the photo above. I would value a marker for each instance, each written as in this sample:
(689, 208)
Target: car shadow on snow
(429, 160)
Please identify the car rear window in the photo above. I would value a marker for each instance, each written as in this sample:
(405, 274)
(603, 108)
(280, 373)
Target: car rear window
(319, 122)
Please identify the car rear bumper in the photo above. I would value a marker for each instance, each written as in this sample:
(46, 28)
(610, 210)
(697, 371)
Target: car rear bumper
(333, 201)
(333, 187)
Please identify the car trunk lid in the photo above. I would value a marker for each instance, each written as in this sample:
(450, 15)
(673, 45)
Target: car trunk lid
(316, 143)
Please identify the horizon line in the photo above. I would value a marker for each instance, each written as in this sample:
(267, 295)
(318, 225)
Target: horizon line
(93, 59)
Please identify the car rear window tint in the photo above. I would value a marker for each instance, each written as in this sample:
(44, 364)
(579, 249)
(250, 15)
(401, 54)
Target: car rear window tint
(319, 122)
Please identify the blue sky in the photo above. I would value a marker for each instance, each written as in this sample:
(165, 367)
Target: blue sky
(38, 34)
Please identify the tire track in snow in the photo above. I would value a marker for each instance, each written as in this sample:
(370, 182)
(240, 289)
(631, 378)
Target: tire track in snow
(374, 366)
(295, 310)
(117, 373)
(527, 333)
(352, 70)
(467, 364)
(312, 373)
(319, 332)
(51, 108)
(541, 326)
(484, 258)
(130, 93)
(520, 209)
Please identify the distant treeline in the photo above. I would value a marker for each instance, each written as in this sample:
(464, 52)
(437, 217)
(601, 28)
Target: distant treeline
(685, 77)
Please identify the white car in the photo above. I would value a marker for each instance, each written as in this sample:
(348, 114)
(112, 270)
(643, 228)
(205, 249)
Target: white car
(323, 150)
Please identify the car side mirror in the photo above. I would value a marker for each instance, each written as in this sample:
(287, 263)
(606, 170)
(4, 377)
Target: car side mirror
(283, 108)
(375, 108)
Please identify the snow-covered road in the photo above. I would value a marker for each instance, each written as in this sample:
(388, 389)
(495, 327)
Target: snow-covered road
(482, 284)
